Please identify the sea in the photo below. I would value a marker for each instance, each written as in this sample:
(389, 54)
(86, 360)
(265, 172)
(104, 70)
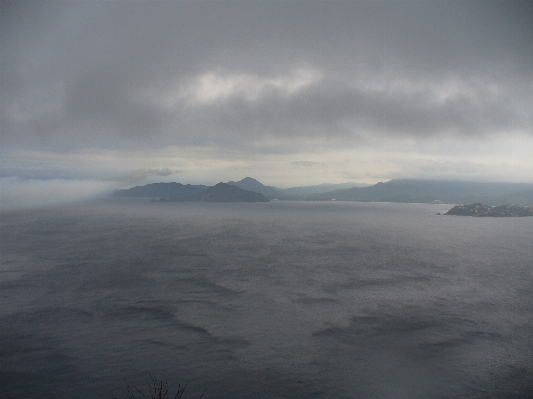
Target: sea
(275, 300)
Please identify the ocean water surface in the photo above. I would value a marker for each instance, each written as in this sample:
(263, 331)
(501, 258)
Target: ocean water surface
(268, 300)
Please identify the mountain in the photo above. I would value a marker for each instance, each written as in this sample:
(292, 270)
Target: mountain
(452, 192)
(272, 192)
(319, 188)
(172, 190)
(160, 190)
(251, 184)
(222, 192)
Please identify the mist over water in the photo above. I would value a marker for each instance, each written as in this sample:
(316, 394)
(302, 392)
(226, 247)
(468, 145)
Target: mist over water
(266, 300)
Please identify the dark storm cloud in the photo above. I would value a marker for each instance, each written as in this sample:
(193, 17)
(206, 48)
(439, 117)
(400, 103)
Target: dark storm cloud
(97, 73)
(336, 110)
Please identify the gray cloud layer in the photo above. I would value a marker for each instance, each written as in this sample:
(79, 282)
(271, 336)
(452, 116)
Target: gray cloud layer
(137, 74)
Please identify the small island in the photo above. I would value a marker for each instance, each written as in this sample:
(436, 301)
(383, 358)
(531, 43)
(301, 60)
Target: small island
(222, 192)
(482, 210)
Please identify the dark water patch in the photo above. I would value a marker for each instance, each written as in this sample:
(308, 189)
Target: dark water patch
(199, 286)
(47, 383)
(243, 383)
(12, 285)
(314, 300)
(196, 329)
(187, 253)
(422, 336)
(330, 332)
(513, 383)
(13, 344)
(161, 317)
(164, 344)
(466, 338)
(49, 316)
(33, 366)
(157, 313)
(215, 288)
(235, 343)
(381, 282)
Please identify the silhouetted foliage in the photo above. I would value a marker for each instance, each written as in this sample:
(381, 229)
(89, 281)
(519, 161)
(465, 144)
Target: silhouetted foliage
(157, 390)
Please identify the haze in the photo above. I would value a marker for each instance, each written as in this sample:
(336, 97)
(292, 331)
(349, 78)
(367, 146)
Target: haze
(105, 95)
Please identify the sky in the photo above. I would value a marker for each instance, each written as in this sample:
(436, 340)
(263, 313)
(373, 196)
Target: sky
(99, 95)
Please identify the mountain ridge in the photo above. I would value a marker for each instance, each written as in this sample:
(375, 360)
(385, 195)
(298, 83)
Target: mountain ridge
(397, 190)
(251, 184)
(221, 192)
(427, 191)
(292, 193)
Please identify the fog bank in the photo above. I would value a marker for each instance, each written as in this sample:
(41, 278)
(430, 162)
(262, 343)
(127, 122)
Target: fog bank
(16, 194)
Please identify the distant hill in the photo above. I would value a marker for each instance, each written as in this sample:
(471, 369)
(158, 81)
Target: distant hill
(160, 190)
(272, 192)
(251, 184)
(424, 191)
(319, 188)
(451, 192)
(172, 190)
(222, 192)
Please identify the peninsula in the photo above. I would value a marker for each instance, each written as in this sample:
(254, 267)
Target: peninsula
(482, 210)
